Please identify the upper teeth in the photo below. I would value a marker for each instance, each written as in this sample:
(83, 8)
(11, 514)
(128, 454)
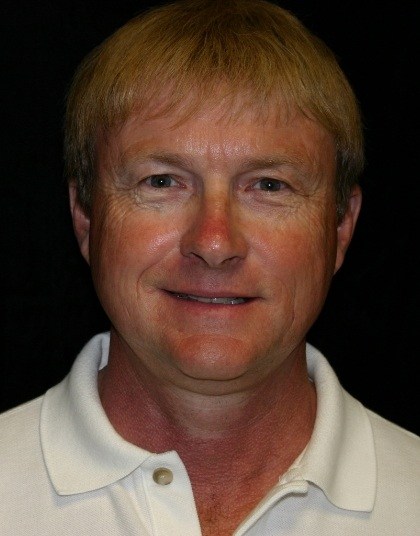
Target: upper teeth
(224, 301)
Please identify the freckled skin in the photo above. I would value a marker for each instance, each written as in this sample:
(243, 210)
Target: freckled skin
(213, 231)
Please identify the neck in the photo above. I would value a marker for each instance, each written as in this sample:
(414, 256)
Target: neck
(276, 415)
(234, 446)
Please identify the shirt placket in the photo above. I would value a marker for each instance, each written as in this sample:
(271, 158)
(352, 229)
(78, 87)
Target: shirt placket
(284, 489)
(169, 496)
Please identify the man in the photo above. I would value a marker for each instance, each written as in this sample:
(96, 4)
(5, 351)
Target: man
(213, 150)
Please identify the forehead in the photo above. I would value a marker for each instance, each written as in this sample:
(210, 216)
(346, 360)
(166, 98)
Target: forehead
(220, 136)
(237, 126)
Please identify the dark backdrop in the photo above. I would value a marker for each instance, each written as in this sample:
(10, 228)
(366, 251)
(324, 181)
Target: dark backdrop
(370, 322)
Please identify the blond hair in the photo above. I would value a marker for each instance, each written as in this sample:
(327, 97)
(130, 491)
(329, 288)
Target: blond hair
(175, 57)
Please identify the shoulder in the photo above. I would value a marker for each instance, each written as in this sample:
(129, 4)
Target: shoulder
(395, 447)
(398, 474)
(19, 440)
(19, 425)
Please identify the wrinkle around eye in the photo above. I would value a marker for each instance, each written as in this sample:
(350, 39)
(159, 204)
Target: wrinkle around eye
(159, 190)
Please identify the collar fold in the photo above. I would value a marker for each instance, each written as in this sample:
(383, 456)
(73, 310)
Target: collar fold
(81, 449)
(340, 456)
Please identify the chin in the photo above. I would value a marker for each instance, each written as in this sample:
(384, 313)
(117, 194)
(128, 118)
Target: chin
(215, 358)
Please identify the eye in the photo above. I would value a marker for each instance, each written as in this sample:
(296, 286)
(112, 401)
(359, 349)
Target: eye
(270, 185)
(160, 181)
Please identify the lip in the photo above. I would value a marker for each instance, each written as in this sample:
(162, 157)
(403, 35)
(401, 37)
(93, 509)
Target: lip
(214, 298)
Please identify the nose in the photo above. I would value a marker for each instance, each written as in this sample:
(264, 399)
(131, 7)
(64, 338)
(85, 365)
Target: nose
(215, 234)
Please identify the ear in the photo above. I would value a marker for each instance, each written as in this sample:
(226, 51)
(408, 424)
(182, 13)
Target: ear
(81, 221)
(347, 225)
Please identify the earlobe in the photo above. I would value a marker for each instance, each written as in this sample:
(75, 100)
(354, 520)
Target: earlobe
(81, 221)
(347, 225)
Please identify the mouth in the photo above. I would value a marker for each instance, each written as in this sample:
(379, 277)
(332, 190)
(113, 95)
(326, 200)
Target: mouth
(210, 300)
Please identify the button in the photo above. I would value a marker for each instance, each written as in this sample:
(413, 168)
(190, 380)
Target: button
(163, 476)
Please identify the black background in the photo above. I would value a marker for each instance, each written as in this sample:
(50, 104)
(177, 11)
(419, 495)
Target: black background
(369, 326)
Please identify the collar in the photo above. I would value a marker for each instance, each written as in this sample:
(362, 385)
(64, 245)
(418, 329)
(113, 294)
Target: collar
(81, 449)
(340, 456)
(83, 452)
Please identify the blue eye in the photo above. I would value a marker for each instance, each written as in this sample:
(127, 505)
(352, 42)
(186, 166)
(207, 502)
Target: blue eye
(270, 185)
(160, 181)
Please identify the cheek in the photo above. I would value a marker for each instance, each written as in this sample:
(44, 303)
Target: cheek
(125, 243)
(300, 255)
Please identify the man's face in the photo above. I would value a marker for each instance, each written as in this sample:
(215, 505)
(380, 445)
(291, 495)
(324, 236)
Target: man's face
(213, 243)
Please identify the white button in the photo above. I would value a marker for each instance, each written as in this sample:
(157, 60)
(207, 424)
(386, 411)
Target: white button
(163, 476)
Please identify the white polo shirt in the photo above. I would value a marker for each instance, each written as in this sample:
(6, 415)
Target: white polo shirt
(64, 471)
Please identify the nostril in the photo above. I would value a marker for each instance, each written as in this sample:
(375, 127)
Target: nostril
(212, 260)
(215, 239)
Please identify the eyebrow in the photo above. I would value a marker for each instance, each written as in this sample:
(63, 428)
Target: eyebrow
(174, 159)
(274, 161)
(131, 157)
(160, 157)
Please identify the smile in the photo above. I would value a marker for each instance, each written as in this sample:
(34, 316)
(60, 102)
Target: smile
(220, 301)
